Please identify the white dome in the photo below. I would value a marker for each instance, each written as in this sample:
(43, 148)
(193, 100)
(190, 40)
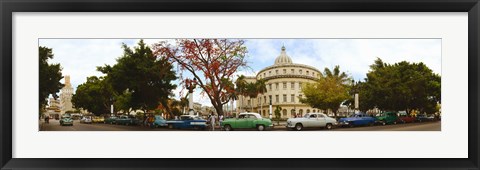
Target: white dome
(283, 58)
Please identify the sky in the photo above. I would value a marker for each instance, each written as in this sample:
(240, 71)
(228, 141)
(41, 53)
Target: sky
(80, 57)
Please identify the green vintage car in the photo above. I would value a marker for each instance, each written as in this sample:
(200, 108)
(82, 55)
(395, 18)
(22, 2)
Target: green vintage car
(387, 118)
(66, 120)
(247, 121)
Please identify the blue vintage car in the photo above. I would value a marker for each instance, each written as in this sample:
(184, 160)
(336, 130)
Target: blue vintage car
(127, 120)
(357, 119)
(188, 122)
(159, 121)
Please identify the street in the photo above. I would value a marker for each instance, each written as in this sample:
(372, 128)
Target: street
(54, 125)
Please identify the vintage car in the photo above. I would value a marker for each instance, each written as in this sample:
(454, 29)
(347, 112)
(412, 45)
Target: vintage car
(159, 121)
(110, 120)
(66, 120)
(311, 120)
(188, 122)
(127, 120)
(422, 118)
(86, 119)
(357, 119)
(404, 118)
(387, 118)
(247, 121)
(97, 119)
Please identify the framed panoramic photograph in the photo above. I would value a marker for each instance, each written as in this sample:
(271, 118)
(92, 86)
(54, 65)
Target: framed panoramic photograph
(351, 84)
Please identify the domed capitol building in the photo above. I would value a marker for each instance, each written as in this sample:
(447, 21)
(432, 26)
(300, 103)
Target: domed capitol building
(284, 81)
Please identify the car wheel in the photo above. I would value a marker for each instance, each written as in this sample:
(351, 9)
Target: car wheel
(156, 126)
(227, 128)
(350, 124)
(370, 124)
(298, 126)
(394, 122)
(260, 127)
(170, 126)
(384, 123)
(329, 126)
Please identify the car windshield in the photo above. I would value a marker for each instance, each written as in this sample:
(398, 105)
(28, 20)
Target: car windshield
(306, 116)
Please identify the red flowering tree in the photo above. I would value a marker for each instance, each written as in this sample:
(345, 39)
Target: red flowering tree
(212, 62)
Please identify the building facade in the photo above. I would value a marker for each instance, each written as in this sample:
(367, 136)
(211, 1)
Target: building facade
(66, 96)
(284, 80)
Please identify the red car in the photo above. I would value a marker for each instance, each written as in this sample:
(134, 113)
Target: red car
(406, 119)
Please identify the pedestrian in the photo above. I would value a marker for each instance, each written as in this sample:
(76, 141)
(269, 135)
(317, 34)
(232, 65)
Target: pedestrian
(220, 120)
(47, 119)
(212, 122)
(151, 121)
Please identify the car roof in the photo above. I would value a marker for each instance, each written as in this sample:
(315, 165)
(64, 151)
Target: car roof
(252, 113)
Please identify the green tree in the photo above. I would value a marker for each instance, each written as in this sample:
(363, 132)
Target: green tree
(49, 77)
(402, 86)
(93, 95)
(330, 90)
(123, 101)
(147, 77)
(240, 89)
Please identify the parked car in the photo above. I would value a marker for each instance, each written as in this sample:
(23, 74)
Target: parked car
(188, 122)
(311, 120)
(127, 120)
(159, 121)
(110, 120)
(387, 118)
(98, 119)
(357, 119)
(431, 117)
(247, 121)
(66, 120)
(422, 118)
(86, 119)
(404, 118)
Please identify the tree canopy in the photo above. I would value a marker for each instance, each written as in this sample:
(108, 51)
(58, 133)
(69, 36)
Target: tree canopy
(93, 95)
(49, 77)
(329, 91)
(400, 86)
(212, 63)
(141, 79)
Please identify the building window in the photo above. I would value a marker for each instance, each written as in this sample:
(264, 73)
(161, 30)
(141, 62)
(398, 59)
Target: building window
(276, 72)
(292, 112)
(284, 112)
(270, 87)
(276, 86)
(300, 96)
(293, 85)
(276, 99)
(300, 86)
(264, 74)
(293, 71)
(308, 110)
(265, 99)
(284, 85)
(285, 98)
(300, 112)
(269, 73)
(248, 101)
(292, 98)
(284, 71)
(300, 71)
(259, 100)
(270, 98)
(313, 74)
(308, 72)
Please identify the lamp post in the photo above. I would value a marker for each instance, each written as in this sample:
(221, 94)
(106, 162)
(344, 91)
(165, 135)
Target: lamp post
(270, 109)
(190, 85)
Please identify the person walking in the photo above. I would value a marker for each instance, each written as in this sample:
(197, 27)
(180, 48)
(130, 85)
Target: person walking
(220, 120)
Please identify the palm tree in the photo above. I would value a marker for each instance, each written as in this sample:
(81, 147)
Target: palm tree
(261, 89)
(240, 89)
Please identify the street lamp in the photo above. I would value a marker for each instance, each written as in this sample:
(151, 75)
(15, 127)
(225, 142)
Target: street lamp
(190, 85)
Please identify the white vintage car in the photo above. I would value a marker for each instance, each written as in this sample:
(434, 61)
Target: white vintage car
(311, 120)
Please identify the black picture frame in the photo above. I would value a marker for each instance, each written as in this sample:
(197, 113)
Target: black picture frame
(7, 7)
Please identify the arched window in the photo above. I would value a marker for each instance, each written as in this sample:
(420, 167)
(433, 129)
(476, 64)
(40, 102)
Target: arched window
(308, 110)
(284, 112)
(300, 112)
(292, 112)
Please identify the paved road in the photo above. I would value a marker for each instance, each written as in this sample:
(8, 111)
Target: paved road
(54, 125)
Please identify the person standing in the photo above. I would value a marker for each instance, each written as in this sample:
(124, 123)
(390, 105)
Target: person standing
(212, 121)
(220, 120)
